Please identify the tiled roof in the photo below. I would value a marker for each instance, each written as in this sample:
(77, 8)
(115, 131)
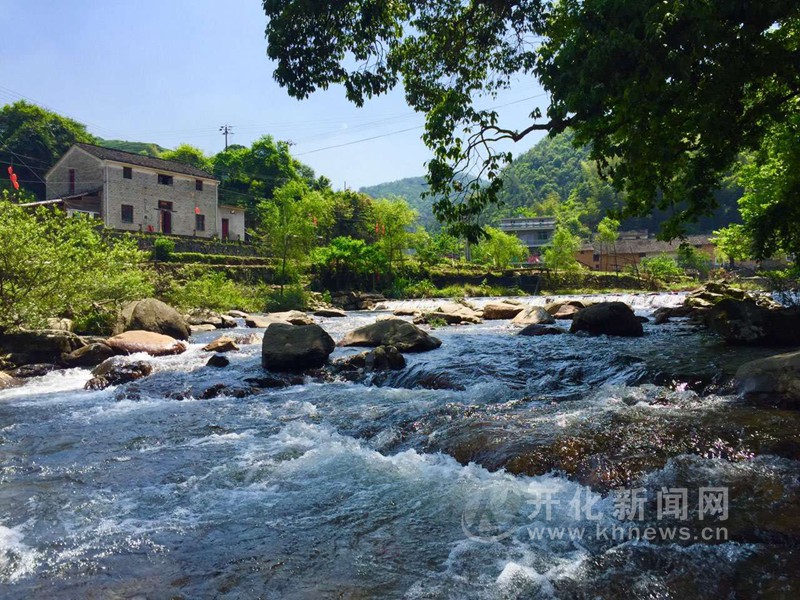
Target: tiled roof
(157, 164)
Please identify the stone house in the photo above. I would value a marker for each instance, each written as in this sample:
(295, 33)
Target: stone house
(534, 232)
(633, 246)
(131, 192)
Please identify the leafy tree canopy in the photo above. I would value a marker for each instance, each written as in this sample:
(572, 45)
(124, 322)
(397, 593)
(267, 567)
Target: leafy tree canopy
(667, 95)
(32, 139)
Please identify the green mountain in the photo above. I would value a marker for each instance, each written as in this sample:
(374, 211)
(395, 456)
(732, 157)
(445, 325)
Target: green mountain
(145, 148)
(409, 189)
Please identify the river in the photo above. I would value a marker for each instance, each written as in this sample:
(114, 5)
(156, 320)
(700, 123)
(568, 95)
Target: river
(498, 466)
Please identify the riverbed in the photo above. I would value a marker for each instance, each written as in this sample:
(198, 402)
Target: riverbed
(498, 466)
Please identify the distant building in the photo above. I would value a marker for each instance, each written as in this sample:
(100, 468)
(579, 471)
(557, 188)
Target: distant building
(633, 246)
(131, 192)
(534, 232)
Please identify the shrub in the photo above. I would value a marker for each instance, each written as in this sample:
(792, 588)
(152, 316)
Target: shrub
(163, 249)
(291, 297)
(662, 267)
(212, 290)
(59, 266)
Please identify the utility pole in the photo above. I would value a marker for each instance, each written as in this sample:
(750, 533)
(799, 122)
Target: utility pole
(226, 131)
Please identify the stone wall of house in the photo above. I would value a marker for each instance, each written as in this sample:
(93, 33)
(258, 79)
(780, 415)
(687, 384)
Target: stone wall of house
(235, 217)
(144, 193)
(88, 174)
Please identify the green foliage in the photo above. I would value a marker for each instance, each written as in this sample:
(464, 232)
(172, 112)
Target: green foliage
(499, 249)
(291, 221)
(666, 95)
(216, 259)
(560, 254)
(59, 266)
(393, 220)
(660, 268)
(691, 259)
(144, 148)
(353, 215)
(291, 297)
(41, 137)
(211, 290)
(163, 249)
(420, 289)
(770, 208)
(733, 242)
(433, 250)
(189, 155)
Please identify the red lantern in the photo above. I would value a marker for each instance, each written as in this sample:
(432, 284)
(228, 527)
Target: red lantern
(10, 171)
(14, 181)
(197, 210)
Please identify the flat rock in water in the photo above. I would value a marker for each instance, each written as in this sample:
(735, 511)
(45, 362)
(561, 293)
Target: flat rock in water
(288, 348)
(334, 313)
(501, 310)
(537, 330)
(27, 371)
(295, 317)
(263, 321)
(40, 346)
(238, 314)
(154, 344)
(204, 328)
(221, 344)
(533, 315)
(404, 336)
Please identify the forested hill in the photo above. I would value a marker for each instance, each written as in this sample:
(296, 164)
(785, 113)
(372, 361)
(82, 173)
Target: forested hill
(146, 148)
(553, 170)
(411, 190)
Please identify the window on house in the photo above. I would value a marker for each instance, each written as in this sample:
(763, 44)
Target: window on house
(200, 222)
(642, 254)
(543, 235)
(127, 213)
(72, 181)
(164, 179)
(198, 185)
(596, 257)
(127, 173)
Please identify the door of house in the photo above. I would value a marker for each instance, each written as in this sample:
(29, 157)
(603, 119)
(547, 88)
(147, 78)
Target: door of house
(166, 222)
(225, 229)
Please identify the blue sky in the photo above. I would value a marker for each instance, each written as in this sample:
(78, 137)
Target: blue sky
(173, 71)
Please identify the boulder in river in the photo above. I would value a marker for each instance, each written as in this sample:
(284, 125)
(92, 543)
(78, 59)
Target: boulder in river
(88, 356)
(357, 300)
(745, 322)
(221, 344)
(772, 381)
(238, 314)
(204, 328)
(609, 318)
(154, 344)
(218, 360)
(404, 336)
(533, 315)
(501, 310)
(384, 358)
(36, 347)
(59, 324)
(116, 371)
(564, 310)
(295, 347)
(152, 315)
(8, 381)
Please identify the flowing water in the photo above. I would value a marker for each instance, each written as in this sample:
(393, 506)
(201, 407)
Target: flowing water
(493, 467)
